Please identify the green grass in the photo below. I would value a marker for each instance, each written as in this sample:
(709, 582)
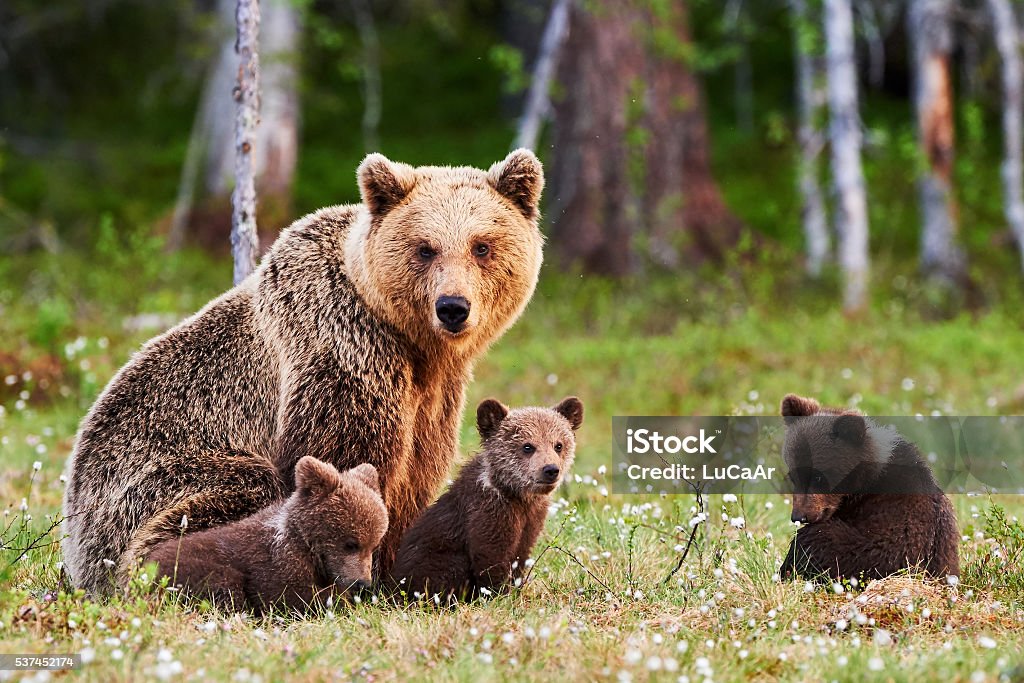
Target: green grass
(600, 603)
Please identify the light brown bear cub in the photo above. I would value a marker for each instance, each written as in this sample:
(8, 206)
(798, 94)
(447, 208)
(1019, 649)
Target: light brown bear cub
(478, 536)
(317, 543)
(868, 500)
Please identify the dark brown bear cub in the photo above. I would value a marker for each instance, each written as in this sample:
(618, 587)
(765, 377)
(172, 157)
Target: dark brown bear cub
(317, 543)
(477, 537)
(869, 501)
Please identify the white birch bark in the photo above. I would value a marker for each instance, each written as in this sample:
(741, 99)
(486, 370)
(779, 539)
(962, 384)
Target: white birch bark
(928, 24)
(1004, 27)
(845, 134)
(537, 103)
(809, 139)
(372, 98)
(244, 240)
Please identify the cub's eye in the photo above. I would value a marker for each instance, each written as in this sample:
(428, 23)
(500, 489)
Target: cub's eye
(528, 448)
(558, 448)
(426, 253)
(481, 250)
(818, 479)
(350, 546)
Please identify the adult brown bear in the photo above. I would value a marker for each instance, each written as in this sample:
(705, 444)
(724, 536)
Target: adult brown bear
(352, 342)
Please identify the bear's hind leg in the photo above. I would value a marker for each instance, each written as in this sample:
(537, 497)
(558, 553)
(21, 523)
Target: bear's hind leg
(214, 488)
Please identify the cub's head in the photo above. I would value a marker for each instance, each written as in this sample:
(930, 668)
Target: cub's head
(528, 450)
(450, 256)
(340, 516)
(830, 453)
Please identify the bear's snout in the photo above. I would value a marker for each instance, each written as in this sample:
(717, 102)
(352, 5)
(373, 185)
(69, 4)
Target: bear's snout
(452, 311)
(549, 474)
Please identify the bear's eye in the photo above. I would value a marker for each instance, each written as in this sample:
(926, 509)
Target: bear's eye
(528, 448)
(426, 253)
(350, 546)
(481, 250)
(558, 447)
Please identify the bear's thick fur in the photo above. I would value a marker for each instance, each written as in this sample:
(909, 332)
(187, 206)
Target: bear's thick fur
(352, 342)
(480, 533)
(318, 543)
(869, 501)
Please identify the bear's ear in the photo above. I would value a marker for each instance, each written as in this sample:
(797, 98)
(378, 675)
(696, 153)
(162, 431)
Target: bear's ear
(571, 409)
(489, 415)
(850, 428)
(520, 179)
(314, 477)
(798, 406)
(367, 474)
(384, 183)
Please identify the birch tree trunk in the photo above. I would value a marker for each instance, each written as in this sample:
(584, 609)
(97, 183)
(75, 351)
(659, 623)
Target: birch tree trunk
(372, 99)
(928, 24)
(809, 139)
(845, 133)
(244, 240)
(1004, 26)
(538, 104)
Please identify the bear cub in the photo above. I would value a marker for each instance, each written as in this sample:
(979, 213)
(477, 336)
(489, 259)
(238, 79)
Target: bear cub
(477, 537)
(868, 500)
(317, 543)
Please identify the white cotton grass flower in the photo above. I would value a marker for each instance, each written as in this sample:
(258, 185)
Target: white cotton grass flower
(183, 524)
(876, 664)
(729, 498)
(36, 466)
(737, 522)
(987, 642)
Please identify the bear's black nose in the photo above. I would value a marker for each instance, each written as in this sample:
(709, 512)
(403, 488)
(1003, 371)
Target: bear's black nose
(549, 473)
(361, 586)
(798, 517)
(452, 311)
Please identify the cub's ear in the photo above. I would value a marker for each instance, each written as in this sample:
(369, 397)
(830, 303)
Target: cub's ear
(384, 183)
(850, 428)
(571, 409)
(314, 477)
(367, 474)
(489, 415)
(520, 179)
(798, 406)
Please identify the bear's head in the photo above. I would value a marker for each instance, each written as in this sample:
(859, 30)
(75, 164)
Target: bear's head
(450, 256)
(528, 450)
(830, 453)
(341, 517)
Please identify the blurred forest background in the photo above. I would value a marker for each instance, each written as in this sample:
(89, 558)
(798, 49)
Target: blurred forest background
(676, 134)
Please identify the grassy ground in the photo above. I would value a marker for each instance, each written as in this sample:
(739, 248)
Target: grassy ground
(603, 601)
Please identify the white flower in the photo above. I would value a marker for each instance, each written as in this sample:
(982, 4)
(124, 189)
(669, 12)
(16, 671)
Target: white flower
(952, 579)
(184, 522)
(88, 654)
(737, 522)
(882, 638)
(987, 642)
(876, 664)
(729, 498)
(653, 663)
(602, 470)
(633, 656)
(36, 466)
(116, 655)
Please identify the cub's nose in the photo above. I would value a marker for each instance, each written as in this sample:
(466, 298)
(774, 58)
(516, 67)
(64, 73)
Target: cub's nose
(361, 586)
(549, 474)
(798, 517)
(452, 311)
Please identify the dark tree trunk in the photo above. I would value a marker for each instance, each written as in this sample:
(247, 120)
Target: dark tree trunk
(593, 207)
(632, 171)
